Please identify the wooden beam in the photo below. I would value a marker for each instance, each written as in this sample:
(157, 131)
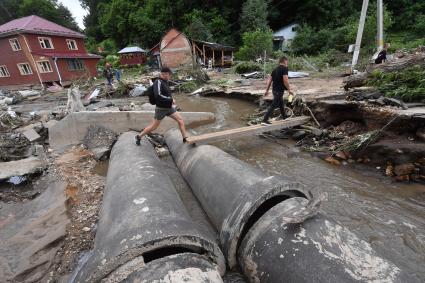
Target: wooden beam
(249, 130)
(194, 63)
(200, 51)
(203, 48)
(222, 58)
(213, 58)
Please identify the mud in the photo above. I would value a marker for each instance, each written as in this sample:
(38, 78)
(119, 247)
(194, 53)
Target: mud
(84, 191)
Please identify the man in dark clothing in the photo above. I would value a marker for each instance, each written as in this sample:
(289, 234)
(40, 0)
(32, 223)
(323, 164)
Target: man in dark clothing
(165, 106)
(280, 81)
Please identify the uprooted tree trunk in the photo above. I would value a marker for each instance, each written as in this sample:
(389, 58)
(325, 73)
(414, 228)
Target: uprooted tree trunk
(74, 100)
(358, 80)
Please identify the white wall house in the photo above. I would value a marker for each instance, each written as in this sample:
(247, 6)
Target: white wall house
(284, 36)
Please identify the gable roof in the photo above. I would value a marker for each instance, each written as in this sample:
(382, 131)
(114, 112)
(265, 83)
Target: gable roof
(131, 49)
(38, 25)
(285, 29)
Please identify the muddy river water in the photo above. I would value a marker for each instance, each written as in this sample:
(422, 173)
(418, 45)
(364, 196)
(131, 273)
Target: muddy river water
(388, 215)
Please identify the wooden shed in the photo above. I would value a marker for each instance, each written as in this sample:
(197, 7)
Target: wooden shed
(132, 55)
(177, 50)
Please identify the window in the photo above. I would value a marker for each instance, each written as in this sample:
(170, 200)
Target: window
(45, 42)
(75, 64)
(25, 69)
(14, 42)
(72, 44)
(44, 66)
(4, 72)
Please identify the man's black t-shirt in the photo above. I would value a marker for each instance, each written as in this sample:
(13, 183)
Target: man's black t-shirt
(277, 77)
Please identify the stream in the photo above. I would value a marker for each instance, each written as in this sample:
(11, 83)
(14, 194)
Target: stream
(390, 216)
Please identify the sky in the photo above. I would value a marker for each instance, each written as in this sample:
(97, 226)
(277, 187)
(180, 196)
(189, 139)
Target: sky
(76, 10)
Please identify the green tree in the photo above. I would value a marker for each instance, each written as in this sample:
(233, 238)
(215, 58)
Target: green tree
(254, 15)
(195, 26)
(254, 44)
(48, 9)
(150, 22)
(91, 20)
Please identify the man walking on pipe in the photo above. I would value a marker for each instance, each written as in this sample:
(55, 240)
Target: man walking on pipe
(165, 105)
(279, 78)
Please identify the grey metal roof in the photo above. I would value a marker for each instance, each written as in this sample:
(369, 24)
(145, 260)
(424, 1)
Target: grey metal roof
(216, 45)
(132, 49)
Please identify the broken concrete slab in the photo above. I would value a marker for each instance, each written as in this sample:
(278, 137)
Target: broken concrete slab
(27, 166)
(30, 235)
(97, 105)
(99, 140)
(31, 135)
(72, 129)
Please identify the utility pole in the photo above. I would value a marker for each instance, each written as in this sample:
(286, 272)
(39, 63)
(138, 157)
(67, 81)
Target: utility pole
(359, 34)
(380, 24)
(379, 33)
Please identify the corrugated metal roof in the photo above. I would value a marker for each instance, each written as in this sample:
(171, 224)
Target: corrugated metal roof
(216, 45)
(131, 49)
(68, 55)
(38, 25)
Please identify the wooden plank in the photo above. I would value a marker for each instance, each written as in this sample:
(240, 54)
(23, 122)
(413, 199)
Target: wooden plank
(249, 130)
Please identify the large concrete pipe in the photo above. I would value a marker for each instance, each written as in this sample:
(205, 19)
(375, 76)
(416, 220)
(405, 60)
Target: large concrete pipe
(232, 193)
(281, 248)
(276, 230)
(143, 224)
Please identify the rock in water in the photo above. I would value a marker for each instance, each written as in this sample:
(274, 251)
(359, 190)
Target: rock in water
(420, 133)
(404, 169)
(332, 161)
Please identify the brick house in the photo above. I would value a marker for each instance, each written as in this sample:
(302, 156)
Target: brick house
(36, 51)
(177, 50)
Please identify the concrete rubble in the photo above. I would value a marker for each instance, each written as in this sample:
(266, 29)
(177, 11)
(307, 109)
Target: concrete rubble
(31, 235)
(99, 140)
(22, 167)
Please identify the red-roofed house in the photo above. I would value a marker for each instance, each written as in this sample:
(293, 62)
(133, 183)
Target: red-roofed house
(37, 51)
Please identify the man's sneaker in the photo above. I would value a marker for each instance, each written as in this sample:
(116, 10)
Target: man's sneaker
(266, 123)
(137, 139)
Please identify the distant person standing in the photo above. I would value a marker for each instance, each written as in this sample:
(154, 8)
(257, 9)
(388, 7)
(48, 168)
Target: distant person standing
(279, 79)
(108, 73)
(165, 106)
(118, 74)
(382, 55)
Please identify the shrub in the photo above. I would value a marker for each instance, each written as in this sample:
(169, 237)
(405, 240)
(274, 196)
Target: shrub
(407, 84)
(188, 86)
(247, 67)
(254, 45)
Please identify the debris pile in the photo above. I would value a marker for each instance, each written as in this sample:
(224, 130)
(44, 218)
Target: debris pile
(99, 140)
